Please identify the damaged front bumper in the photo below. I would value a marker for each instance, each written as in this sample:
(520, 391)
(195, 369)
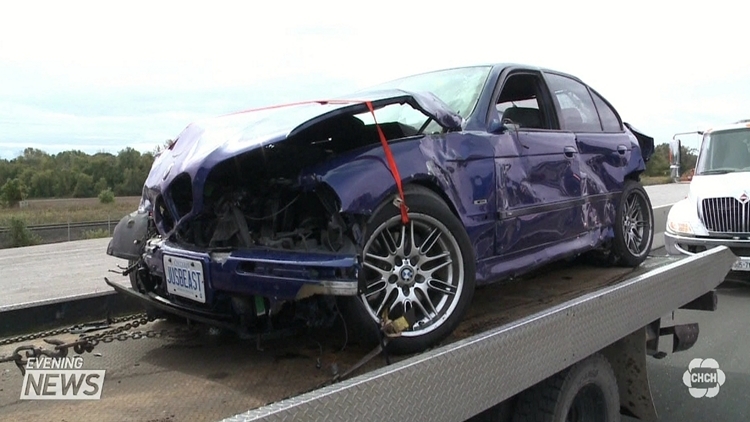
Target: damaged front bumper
(162, 304)
(275, 274)
(219, 284)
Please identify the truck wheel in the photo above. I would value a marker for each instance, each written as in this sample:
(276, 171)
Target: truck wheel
(634, 226)
(423, 270)
(587, 391)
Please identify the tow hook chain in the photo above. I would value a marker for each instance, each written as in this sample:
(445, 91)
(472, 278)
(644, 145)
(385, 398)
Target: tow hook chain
(389, 329)
(85, 343)
(22, 354)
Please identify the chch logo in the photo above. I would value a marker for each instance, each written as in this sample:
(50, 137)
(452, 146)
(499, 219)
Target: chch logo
(703, 378)
(744, 198)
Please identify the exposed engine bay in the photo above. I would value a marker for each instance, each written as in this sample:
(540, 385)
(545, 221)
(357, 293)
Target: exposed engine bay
(274, 214)
(257, 199)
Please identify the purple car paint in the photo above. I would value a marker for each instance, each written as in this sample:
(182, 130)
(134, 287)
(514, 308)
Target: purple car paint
(529, 184)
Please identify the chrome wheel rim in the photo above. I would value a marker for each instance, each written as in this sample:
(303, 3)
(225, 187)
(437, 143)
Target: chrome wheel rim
(414, 267)
(636, 224)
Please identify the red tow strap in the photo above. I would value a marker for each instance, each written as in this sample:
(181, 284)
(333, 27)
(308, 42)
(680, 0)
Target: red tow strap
(383, 141)
(392, 165)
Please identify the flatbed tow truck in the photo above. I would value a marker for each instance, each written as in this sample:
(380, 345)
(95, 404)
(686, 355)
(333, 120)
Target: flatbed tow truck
(527, 346)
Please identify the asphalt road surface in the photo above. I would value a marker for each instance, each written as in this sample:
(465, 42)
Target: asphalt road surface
(54, 271)
(667, 194)
(725, 337)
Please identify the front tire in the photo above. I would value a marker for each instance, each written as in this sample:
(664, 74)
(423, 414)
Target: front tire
(423, 270)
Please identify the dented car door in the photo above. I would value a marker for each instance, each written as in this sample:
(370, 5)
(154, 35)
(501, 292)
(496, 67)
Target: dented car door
(537, 170)
(605, 148)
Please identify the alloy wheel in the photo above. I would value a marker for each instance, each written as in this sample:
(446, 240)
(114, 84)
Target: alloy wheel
(636, 223)
(413, 269)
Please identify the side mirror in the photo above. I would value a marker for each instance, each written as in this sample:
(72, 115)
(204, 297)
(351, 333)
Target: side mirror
(675, 147)
(498, 127)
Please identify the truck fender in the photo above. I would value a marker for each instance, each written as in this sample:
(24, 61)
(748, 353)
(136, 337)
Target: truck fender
(627, 357)
(129, 236)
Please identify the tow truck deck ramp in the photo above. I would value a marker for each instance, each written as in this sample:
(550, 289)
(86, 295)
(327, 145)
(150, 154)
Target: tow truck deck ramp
(514, 336)
(460, 380)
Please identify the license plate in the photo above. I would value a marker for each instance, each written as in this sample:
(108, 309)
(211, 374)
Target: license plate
(741, 264)
(185, 278)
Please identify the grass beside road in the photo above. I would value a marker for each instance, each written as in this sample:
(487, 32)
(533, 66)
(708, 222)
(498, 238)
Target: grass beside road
(77, 210)
(73, 210)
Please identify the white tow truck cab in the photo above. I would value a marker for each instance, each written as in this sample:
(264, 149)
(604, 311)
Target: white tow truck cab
(717, 208)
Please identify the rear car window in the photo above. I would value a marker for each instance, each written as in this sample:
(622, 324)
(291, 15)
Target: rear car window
(577, 110)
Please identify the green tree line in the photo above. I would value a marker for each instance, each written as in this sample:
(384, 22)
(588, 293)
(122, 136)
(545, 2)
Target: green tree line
(37, 174)
(658, 165)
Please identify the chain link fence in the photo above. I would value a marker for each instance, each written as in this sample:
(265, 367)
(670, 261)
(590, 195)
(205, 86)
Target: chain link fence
(63, 232)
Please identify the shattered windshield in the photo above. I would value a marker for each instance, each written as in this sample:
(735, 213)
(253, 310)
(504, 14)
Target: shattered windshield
(459, 88)
(724, 152)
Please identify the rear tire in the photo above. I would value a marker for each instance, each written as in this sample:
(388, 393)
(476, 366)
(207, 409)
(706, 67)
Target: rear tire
(587, 391)
(425, 268)
(634, 226)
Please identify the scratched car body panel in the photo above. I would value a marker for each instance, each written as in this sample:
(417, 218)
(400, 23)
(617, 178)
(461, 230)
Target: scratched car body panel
(280, 204)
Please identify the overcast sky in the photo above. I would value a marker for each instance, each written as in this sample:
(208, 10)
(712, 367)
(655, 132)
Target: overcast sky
(100, 76)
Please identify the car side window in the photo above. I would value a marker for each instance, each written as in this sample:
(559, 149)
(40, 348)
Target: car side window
(521, 102)
(577, 110)
(610, 121)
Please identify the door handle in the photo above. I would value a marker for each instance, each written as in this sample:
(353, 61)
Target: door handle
(622, 149)
(569, 152)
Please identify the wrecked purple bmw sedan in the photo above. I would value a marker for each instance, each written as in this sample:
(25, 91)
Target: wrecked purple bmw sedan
(389, 205)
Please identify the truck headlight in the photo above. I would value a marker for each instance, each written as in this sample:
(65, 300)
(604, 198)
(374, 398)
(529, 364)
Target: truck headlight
(676, 226)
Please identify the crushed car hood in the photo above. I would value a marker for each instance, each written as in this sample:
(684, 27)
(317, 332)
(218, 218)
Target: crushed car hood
(205, 143)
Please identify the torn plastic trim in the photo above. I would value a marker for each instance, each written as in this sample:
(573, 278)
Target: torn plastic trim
(328, 288)
(644, 141)
(129, 236)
